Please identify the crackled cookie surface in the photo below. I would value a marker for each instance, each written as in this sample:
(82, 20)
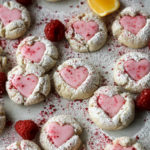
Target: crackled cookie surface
(14, 20)
(111, 109)
(23, 145)
(124, 143)
(27, 87)
(2, 118)
(61, 132)
(86, 33)
(37, 52)
(132, 71)
(76, 79)
(132, 27)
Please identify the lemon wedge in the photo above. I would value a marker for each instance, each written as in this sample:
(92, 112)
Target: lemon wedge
(104, 7)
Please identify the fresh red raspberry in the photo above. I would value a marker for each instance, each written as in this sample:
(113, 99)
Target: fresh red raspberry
(25, 2)
(55, 31)
(27, 129)
(3, 79)
(143, 100)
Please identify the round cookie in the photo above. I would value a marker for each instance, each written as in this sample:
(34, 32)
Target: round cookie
(124, 143)
(23, 145)
(37, 52)
(27, 87)
(2, 118)
(76, 79)
(111, 109)
(132, 27)
(132, 71)
(14, 20)
(86, 33)
(61, 132)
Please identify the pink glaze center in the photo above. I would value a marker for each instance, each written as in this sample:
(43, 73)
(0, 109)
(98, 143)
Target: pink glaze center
(34, 52)
(74, 77)
(25, 84)
(86, 29)
(133, 24)
(60, 134)
(7, 15)
(119, 147)
(111, 105)
(137, 70)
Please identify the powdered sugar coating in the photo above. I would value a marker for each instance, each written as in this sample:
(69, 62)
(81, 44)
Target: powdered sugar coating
(85, 90)
(39, 93)
(48, 59)
(72, 144)
(125, 142)
(123, 79)
(127, 38)
(121, 120)
(23, 145)
(78, 43)
(2, 118)
(17, 28)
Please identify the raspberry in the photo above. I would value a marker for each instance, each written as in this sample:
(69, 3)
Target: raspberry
(55, 31)
(3, 79)
(27, 129)
(143, 101)
(25, 2)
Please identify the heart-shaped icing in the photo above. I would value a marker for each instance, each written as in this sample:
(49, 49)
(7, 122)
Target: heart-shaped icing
(133, 24)
(34, 52)
(137, 70)
(119, 147)
(111, 105)
(59, 134)
(74, 77)
(86, 29)
(7, 15)
(25, 84)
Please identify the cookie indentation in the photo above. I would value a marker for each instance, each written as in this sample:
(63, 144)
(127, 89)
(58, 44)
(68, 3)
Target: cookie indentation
(111, 105)
(25, 84)
(74, 77)
(60, 134)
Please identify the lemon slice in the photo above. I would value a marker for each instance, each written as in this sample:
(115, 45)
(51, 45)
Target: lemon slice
(104, 7)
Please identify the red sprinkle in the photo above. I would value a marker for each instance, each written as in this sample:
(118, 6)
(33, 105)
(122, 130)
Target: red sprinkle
(27, 129)
(55, 31)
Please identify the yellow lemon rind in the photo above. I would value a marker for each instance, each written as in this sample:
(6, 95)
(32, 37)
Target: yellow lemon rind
(117, 5)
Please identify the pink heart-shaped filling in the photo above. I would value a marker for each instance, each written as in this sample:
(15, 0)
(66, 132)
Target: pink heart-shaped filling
(86, 29)
(34, 52)
(25, 84)
(74, 77)
(7, 15)
(60, 134)
(111, 105)
(137, 70)
(133, 24)
(119, 147)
